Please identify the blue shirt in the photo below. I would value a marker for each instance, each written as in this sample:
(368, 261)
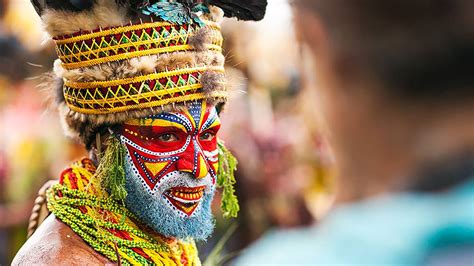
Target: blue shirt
(402, 229)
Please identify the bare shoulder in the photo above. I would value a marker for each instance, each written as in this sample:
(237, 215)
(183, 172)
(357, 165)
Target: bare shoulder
(54, 243)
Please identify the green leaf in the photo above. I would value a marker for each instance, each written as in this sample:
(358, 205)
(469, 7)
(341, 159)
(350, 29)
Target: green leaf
(226, 180)
(111, 171)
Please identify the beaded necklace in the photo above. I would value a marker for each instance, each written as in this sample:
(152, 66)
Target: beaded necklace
(107, 226)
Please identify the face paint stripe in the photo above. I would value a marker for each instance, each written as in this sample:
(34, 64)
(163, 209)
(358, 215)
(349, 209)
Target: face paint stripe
(212, 159)
(212, 120)
(203, 163)
(127, 141)
(176, 118)
(187, 121)
(155, 167)
(159, 122)
(139, 161)
(204, 115)
(163, 120)
(215, 165)
(195, 111)
(196, 157)
(211, 153)
(202, 167)
(216, 122)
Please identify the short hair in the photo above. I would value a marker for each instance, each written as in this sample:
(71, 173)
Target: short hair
(417, 49)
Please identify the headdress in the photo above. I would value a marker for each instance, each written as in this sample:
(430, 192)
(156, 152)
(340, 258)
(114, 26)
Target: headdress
(123, 59)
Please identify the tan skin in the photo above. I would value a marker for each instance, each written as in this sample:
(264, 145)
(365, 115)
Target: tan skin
(378, 142)
(54, 243)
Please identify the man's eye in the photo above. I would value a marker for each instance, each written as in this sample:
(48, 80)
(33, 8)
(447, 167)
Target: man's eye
(206, 136)
(168, 137)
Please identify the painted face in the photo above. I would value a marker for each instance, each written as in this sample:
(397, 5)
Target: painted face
(170, 166)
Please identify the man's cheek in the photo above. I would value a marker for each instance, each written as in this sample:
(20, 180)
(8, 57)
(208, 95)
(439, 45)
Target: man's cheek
(160, 146)
(211, 154)
(209, 146)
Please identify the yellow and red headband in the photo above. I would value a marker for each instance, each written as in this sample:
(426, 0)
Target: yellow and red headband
(177, 84)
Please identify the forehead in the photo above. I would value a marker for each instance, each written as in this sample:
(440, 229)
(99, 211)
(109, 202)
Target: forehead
(195, 115)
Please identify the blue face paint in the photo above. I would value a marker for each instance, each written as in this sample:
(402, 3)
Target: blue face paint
(160, 215)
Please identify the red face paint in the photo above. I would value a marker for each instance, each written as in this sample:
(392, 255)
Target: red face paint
(179, 141)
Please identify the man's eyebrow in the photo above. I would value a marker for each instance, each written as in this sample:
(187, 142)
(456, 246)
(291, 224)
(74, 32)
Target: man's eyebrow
(162, 122)
(215, 123)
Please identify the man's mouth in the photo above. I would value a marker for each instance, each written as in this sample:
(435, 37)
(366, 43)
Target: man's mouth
(185, 199)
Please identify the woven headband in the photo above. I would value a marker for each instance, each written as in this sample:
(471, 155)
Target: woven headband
(84, 49)
(114, 44)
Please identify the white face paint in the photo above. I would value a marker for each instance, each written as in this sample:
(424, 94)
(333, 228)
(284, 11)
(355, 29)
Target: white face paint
(171, 166)
(181, 192)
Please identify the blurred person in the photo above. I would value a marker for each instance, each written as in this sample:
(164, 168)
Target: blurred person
(395, 89)
(141, 85)
(259, 128)
(15, 200)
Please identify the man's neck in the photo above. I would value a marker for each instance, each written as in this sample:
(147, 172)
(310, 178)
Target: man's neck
(398, 151)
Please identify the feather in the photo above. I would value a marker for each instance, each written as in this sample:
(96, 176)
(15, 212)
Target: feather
(68, 5)
(243, 9)
(133, 4)
(82, 4)
(38, 5)
(173, 12)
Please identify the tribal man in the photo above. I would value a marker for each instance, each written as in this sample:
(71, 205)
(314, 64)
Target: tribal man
(141, 85)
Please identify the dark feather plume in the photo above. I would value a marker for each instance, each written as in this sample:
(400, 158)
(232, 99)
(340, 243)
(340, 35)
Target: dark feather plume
(69, 5)
(242, 9)
(38, 5)
(134, 5)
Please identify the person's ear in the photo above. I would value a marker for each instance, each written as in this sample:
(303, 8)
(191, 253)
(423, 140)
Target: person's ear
(310, 30)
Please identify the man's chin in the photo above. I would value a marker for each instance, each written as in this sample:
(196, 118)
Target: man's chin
(178, 217)
(182, 209)
(180, 225)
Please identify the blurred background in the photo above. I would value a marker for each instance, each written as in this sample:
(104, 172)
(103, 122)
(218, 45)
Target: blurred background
(285, 171)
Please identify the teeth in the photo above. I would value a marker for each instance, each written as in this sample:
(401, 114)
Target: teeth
(186, 207)
(186, 197)
(187, 194)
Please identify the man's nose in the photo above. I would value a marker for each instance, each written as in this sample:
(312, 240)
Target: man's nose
(192, 161)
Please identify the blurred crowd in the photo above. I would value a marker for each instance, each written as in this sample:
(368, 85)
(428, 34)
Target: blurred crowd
(32, 146)
(285, 174)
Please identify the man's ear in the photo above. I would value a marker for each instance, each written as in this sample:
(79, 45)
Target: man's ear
(242, 9)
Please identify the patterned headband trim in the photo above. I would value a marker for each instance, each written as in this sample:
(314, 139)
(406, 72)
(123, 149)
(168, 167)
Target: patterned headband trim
(148, 91)
(124, 42)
